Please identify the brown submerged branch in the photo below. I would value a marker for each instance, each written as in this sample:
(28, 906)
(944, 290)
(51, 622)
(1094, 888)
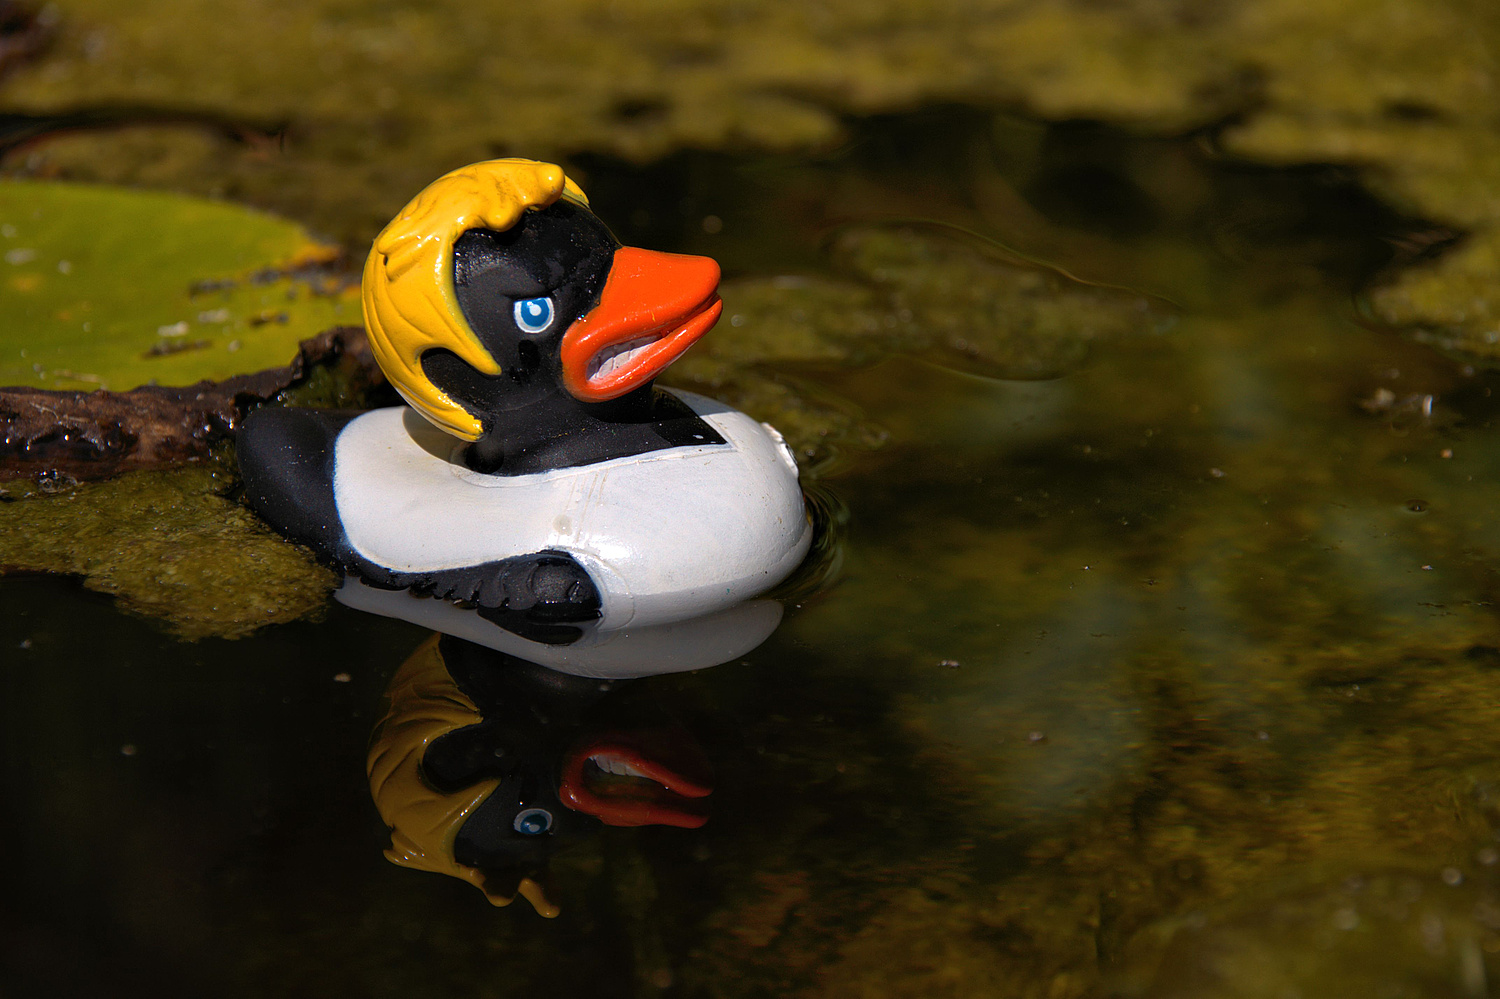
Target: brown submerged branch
(89, 436)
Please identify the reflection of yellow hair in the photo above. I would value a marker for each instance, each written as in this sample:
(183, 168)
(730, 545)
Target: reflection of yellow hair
(410, 304)
(426, 704)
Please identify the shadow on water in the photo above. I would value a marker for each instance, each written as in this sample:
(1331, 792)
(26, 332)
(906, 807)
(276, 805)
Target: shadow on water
(1175, 655)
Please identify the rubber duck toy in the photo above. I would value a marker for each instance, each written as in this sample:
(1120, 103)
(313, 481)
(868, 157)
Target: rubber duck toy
(484, 765)
(557, 505)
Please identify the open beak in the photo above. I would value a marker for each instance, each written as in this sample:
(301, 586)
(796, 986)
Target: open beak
(653, 307)
(638, 779)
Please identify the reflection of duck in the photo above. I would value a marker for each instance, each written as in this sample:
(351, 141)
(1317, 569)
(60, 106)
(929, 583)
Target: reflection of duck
(584, 499)
(484, 762)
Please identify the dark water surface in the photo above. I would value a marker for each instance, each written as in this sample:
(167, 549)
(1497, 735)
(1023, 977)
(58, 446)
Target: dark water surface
(1175, 676)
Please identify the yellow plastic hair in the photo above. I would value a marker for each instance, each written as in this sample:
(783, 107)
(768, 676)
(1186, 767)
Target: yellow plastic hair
(425, 703)
(409, 301)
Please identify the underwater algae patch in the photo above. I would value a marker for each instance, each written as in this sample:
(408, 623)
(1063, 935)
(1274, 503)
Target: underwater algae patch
(1167, 723)
(897, 290)
(167, 545)
(968, 308)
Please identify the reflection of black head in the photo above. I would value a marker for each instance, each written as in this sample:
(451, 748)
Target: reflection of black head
(519, 291)
(485, 762)
(530, 715)
(513, 832)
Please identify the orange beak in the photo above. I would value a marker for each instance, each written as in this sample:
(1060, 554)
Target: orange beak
(653, 307)
(653, 779)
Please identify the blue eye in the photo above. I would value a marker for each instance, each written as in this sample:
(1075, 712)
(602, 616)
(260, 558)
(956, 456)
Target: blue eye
(533, 821)
(534, 314)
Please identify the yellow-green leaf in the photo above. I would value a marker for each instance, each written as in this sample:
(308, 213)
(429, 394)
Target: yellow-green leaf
(104, 287)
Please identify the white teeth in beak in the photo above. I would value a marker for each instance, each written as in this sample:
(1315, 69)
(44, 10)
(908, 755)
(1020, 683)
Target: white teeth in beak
(619, 768)
(617, 356)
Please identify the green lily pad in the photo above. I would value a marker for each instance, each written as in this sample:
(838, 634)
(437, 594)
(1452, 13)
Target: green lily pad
(105, 287)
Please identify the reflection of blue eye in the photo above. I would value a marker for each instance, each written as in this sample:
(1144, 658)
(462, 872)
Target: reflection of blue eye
(534, 314)
(533, 821)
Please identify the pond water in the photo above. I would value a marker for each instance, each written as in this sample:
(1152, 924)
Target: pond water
(1174, 675)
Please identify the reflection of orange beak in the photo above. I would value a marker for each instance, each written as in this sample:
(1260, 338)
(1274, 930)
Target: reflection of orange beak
(653, 307)
(638, 779)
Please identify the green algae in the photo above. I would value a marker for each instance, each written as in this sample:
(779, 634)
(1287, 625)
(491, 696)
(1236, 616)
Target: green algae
(167, 545)
(989, 317)
(380, 101)
(110, 288)
(1353, 935)
(929, 296)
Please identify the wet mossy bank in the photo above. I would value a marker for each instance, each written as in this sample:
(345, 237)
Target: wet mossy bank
(167, 545)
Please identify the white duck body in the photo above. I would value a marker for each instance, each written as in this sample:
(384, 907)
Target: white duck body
(666, 536)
